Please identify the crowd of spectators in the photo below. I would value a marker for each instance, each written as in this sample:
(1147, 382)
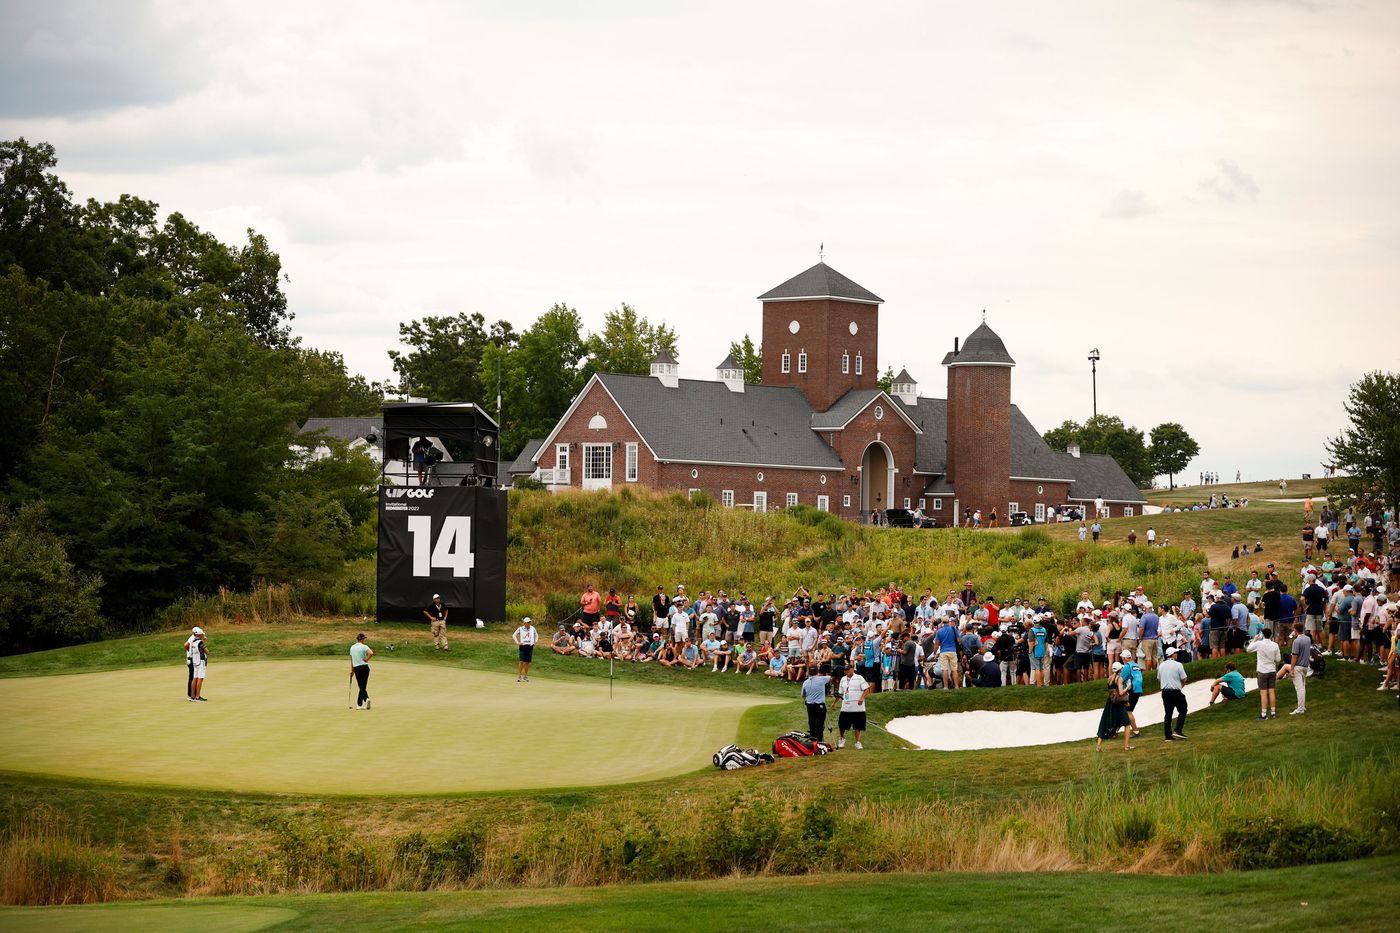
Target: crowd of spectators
(898, 640)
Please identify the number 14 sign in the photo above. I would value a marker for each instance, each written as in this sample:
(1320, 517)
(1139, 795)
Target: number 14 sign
(452, 550)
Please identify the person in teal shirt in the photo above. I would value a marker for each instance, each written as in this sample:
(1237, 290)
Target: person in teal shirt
(360, 653)
(1229, 685)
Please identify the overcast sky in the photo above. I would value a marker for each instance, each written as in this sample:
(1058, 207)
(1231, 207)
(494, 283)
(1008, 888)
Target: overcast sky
(1208, 192)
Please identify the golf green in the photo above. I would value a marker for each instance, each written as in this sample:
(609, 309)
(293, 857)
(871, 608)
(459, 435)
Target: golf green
(284, 727)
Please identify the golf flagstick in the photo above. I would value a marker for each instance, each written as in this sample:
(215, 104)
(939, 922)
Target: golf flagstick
(610, 677)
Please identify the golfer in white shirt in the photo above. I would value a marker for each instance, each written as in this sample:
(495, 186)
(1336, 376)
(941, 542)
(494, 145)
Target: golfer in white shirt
(525, 637)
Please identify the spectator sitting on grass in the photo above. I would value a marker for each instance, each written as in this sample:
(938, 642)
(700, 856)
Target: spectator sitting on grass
(720, 658)
(689, 656)
(777, 665)
(563, 642)
(748, 659)
(1229, 685)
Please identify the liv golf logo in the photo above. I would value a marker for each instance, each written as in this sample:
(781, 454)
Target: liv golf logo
(399, 492)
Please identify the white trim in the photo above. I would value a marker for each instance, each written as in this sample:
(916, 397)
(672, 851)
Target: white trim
(559, 426)
(801, 361)
(854, 301)
(726, 498)
(845, 502)
(974, 363)
(1043, 479)
(789, 500)
(765, 466)
(873, 399)
(631, 462)
(938, 503)
(760, 496)
(823, 503)
(1120, 501)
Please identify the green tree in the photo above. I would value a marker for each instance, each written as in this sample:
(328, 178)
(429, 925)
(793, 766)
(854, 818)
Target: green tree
(40, 228)
(1107, 434)
(1368, 447)
(541, 376)
(886, 380)
(750, 358)
(332, 390)
(44, 602)
(1172, 449)
(627, 343)
(445, 363)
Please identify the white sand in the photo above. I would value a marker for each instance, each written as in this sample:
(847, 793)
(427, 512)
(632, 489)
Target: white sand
(952, 732)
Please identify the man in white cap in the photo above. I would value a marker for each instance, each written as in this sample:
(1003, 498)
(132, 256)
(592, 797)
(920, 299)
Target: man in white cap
(1172, 676)
(525, 638)
(196, 657)
(437, 619)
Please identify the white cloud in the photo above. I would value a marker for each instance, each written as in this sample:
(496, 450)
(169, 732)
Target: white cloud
(1230, 183)
(1129, 205)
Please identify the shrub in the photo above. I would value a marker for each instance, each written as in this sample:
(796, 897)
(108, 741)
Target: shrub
(527, 482)
(42, 865)
(1274, 843)
(453, 857)
(44, 602)
(559, 607)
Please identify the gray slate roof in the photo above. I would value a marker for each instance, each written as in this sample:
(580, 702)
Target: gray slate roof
(343, 429)
(728, 363)
(820, 281)
(1031, 456)
(1100, 475)
(663, 356)
(705, 421)
(525, 463)
(981, 346)
(845, 408)
(903, 377)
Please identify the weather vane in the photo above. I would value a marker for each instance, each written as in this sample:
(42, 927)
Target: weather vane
(984, 315)
(821, 251)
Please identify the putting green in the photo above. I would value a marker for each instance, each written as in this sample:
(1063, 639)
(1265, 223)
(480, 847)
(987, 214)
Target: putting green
(214, 918)
(284, 727)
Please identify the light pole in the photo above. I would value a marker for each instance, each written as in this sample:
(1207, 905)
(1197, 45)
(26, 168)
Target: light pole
(1094, 377)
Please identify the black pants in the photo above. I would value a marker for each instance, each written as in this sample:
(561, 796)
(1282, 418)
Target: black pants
(907, 675)
(189, 683)
(816, 720)
(1173, 700)
(362, 678)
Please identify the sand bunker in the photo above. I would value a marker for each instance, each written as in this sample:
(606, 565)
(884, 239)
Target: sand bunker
(955, 732)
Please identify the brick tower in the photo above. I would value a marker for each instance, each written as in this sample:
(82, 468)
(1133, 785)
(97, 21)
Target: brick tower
(819, 334)
(979, 422)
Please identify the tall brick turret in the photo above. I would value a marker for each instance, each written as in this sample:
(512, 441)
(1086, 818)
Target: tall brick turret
(979, 422)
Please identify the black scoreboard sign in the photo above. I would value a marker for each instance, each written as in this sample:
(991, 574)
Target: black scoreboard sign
(449, 540)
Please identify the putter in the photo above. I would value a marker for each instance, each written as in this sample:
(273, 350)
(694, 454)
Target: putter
(350, 692)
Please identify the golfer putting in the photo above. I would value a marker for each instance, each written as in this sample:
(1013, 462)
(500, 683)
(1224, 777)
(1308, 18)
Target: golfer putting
(525, 638)
(360, 653)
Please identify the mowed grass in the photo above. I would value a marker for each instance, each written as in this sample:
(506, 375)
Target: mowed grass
(1357, 896)
(1268, 489)
(284, 727)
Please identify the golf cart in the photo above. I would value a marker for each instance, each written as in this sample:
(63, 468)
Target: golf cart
(904, 518)
(1021, 518)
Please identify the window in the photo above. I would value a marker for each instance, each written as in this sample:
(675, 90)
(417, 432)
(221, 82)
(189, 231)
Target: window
(561, 457)
(845, 502)
(1127, 511)
(597, 461)
(907, 501)
(760, 502)
(691, 493)
(921, 503)
(791, 499)
(1040, 512)
(823, 504)
(787, 362)
(845, 362)
(802, 362)
(860, 364)
(631, 463)
(1012, 508)
(726, 498)
(937, 504)
(879, 412)
(759, 474)
(1107, 511)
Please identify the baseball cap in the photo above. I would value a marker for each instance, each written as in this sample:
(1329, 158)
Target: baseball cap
(989, 657)
(1125, 653)
(1171, 651)
(436, 596)
(196, 631)
(526, 619)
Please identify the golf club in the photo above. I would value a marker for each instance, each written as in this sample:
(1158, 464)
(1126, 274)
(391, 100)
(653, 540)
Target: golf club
(350, 692)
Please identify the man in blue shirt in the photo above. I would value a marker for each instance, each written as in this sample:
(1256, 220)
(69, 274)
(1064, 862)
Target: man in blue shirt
(1239, 624)
(1149, 631)
(1229, 588)
(948, 653)
(1040, 658)
(814, 695)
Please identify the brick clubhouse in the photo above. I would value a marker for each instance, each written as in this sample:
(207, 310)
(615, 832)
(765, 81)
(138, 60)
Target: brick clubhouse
(819, 430)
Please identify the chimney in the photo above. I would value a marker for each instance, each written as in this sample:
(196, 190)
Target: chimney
(1073, 450)
(955, 346)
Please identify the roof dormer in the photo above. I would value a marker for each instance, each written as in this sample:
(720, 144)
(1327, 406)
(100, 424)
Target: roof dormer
(731, 374)
(665, 368)
(905, 388)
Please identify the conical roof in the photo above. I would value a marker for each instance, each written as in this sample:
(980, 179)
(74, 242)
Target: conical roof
(663, 356)
(821, 281)
(981, 346)
(728, 363)
(903, 377)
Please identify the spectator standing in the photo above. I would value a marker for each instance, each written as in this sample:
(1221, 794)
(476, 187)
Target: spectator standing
(851, 693)
(1300, 666)
(437, 622)
(1172, 676)
(591, 604)
(1268, 656)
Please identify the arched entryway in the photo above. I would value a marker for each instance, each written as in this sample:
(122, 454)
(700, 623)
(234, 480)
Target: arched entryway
(876, 479)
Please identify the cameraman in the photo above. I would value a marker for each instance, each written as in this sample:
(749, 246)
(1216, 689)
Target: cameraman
(421, 450)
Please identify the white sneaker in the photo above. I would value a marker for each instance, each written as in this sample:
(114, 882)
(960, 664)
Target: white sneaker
(858, 745)
(841, 743)
(1298, 711)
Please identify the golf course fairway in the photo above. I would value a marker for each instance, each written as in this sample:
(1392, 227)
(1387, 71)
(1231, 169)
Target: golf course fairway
(284, 727)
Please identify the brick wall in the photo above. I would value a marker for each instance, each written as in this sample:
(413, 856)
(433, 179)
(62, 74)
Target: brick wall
(776, 483)
(979, 436)
(824, 335)
(597, 401)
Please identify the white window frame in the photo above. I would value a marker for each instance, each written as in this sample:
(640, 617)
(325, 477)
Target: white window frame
(823, 503)
(791, 500)
(1040, 513)
(632, 459)
(937, 504)
(802, 361)
(603, 455)
(1127, 511)
(690, 493)
(908, 503)
(860, 365)
(845, 502)
(561, 456)
(760, 502)
(726, 498)
(1011, 509)
(922, 500)
(787, 362)
(845, 362)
